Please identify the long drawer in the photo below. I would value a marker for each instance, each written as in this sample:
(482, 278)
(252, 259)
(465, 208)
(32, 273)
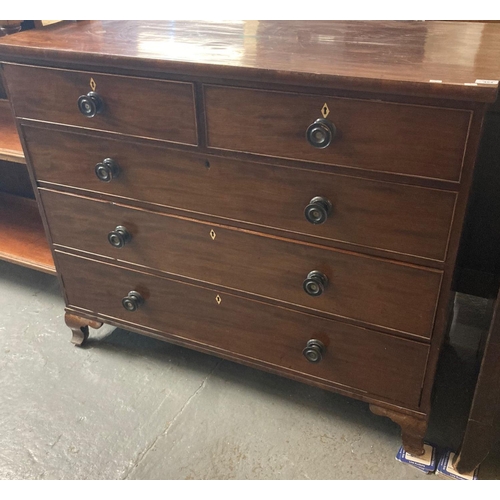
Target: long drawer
(399, 218)
(375, 291)
(136, 106)
(372, 362)
(374, 135)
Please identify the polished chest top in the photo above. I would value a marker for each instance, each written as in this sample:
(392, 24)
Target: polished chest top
(288, 195)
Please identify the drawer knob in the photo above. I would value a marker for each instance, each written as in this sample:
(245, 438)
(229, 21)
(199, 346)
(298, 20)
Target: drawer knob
(315, 283)
(107, 170)
(132, 301)
(314, 350)
(90, 105)
(318, 210)
(119, 237)
(321, 133)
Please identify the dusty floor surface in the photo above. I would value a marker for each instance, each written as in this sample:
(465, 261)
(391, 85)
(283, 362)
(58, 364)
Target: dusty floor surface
(130, 407)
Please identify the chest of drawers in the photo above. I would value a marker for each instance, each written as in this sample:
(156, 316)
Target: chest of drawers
(260, 191)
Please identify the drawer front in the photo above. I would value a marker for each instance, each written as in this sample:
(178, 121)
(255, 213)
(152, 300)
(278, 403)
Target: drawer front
(135, 106)
(367, 361)
(373, 135)
(375, 291)
(399, 218)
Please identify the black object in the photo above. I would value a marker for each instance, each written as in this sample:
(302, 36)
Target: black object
(318, 210)
(132, 301)
(315, 283)
(90, 105)
(107, 170)
(119, 237)
(321, 133)
(313, 351)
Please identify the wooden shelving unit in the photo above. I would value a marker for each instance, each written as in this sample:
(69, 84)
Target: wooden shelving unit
(10, 145)
(22, 236)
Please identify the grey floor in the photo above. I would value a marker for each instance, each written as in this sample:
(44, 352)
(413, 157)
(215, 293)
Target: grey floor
(130, 407)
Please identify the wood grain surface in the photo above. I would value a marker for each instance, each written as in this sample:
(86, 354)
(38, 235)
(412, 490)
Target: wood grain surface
(430, 58)
(135, 106)
(373, 135)
(374, 291)
(369, 361)
(394, 217)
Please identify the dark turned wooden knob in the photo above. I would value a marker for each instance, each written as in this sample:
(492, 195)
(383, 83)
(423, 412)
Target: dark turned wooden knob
(107, 170)
(119, 237)
(90, 105)
(318, 210)
(314, 350)
(315, 283)
(321, 133)
(132, 301)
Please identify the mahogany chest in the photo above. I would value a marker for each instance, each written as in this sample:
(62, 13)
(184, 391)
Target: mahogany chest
(287, 195)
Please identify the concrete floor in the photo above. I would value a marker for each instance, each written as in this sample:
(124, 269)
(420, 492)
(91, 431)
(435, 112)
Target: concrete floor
(131, 407)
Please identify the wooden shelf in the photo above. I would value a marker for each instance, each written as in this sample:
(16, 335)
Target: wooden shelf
(22, 237)
(10, 145)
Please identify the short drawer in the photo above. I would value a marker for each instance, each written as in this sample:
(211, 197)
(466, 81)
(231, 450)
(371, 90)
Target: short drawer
(367, 361)
(381, 136)
(134, 106)
(371, 290)
(394, 217)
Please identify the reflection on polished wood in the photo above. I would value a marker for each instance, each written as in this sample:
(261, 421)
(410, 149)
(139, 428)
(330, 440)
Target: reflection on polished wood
(406, 57)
